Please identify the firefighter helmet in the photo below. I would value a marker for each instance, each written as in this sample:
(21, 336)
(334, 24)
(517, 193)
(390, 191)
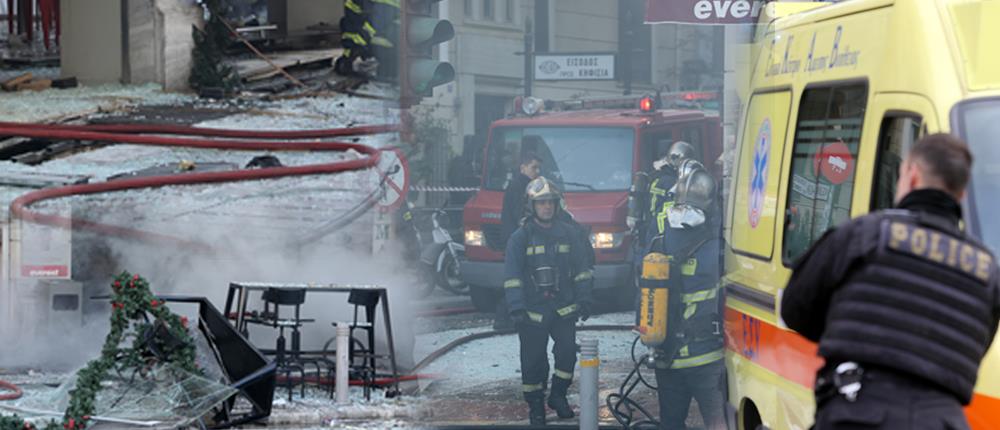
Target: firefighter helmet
(695, 196)
(680, 152)
(541, 188)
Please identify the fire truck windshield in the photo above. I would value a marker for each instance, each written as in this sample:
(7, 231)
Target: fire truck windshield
(576, 158)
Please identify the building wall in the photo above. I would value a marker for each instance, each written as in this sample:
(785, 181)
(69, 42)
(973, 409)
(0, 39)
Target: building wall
(91, 41)
(160, 42)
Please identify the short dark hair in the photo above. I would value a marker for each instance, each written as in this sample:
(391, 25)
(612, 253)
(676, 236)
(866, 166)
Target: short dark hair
(528, 157)
(947, 159)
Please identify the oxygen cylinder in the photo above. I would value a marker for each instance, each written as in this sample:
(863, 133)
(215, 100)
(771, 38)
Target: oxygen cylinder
(655, 299)
(636, 199)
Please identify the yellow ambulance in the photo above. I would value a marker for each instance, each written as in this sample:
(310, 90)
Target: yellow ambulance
(838, 92)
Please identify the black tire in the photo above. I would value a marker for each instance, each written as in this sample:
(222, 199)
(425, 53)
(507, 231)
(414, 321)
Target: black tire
(484, 298)
(448, 277)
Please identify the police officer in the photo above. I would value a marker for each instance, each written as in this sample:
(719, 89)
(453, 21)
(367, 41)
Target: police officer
(902, 302)
(690, 363)
(548, 287)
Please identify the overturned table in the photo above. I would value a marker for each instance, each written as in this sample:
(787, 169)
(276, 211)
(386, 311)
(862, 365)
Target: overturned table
(240, 291)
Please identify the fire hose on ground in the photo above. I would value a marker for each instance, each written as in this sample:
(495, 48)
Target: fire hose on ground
(220, 139)
(13, 391)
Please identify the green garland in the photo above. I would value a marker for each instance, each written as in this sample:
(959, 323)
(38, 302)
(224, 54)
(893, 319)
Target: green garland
(135, 312)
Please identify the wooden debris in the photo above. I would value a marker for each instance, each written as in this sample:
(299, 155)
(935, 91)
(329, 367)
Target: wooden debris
(35, 85)
(11, 85)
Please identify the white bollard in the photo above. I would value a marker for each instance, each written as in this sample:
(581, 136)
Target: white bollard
(589, 364)
(343, 363)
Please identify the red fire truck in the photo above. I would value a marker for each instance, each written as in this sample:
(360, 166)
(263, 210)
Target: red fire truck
(591, 149)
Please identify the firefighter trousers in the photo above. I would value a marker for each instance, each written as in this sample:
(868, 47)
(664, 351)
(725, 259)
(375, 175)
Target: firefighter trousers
(534, 340)
(705, 384)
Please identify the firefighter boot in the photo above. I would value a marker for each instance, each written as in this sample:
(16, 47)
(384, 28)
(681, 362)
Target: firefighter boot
(536, 407)
(557, 398)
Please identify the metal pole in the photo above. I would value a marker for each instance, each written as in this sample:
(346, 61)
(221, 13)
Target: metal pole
(343, 347)
(529, 57)
(589, 364)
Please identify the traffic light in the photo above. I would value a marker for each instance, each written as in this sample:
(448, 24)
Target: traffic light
(420, 72)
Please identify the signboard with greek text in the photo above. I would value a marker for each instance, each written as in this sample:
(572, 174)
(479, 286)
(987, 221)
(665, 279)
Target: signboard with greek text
(575, 67)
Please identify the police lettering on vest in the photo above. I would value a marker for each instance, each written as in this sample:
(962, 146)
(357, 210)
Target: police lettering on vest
(940, 248)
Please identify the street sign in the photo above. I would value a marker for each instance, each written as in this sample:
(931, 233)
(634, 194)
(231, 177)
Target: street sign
(393, 164)
(575, 67)
(703, 11)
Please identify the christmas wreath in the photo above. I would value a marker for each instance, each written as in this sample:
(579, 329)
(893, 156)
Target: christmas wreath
(144, 335)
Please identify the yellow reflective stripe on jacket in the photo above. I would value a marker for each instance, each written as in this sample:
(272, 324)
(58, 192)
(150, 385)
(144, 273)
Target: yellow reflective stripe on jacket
(564, 375)
(381, 41)
(690, 310)
(529, 388)
(354, 37)
(393, 3)
(700, 296)
(539, 250)
(661, 218)
(369, 29)
(534, 316)
(512, 283)
(683, 352)
(563, 248)
(690, 268)
(584, 276)
(698, 360)
(566, 310)
(354, 7)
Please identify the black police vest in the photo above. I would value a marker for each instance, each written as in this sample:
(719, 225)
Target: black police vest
(550, 248)
(919, 303)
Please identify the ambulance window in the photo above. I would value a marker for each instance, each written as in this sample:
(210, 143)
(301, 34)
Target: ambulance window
(895, 139)
(825, 151)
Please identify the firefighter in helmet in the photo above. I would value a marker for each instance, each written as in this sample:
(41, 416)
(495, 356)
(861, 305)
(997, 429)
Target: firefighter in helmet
(547, 288)
(689, 364)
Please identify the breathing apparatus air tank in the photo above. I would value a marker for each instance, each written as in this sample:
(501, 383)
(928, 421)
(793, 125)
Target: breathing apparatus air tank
(654, 291)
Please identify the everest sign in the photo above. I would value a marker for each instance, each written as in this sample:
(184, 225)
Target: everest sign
(703, 11)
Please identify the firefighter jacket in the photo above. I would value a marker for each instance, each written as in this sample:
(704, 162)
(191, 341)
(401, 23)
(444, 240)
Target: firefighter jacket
(356, 30)
(905, 290)
(694, 339)
(660, 200)
(533, 247)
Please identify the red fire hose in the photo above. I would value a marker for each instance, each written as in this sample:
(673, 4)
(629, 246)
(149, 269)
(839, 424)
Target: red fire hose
(139, 135)
(14, 392)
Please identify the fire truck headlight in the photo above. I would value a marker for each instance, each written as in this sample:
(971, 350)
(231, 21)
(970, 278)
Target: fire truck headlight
(604, 240)
(474, 238)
